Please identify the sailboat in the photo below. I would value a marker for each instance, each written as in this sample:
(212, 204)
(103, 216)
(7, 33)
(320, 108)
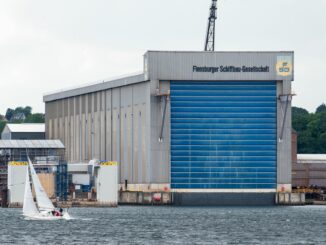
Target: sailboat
(43, 207)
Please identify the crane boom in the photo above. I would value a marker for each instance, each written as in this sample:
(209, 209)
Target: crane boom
(210, 36)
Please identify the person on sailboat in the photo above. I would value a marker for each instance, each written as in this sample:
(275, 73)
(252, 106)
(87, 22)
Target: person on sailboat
(56, 213)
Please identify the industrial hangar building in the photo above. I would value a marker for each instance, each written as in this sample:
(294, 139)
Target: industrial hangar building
(211, 127)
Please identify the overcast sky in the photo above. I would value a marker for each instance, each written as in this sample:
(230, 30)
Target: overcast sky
(51, 45)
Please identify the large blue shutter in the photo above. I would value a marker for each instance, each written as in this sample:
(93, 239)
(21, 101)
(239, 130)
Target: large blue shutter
(223, 134)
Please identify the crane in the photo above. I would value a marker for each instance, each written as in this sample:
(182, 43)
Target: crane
(210, 36)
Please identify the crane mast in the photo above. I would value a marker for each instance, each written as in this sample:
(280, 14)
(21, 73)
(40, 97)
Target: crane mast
(210, 36)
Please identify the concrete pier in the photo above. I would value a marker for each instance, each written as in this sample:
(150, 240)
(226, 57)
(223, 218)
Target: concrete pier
(290, 198)
(145, 198)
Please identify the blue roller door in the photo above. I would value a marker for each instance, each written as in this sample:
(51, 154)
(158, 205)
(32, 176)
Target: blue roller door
(223, 135)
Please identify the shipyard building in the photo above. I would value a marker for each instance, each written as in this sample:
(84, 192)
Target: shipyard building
(211, 127)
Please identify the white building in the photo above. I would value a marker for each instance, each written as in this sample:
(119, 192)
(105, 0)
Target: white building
(23, 131)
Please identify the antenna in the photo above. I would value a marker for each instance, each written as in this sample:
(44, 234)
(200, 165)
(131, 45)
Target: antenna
(210, 36)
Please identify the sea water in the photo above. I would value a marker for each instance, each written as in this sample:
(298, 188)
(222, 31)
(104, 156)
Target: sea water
(170, 225)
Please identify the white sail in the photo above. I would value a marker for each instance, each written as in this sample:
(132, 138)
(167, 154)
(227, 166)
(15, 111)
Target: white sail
(29, 207)
(43, 201)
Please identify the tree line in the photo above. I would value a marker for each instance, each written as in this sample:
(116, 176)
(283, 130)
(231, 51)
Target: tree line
(310, 128)
(20, 115)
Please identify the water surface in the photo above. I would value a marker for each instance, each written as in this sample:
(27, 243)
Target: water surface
(170, 225)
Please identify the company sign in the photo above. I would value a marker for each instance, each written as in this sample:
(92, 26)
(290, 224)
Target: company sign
(284, 66)
(221, 69)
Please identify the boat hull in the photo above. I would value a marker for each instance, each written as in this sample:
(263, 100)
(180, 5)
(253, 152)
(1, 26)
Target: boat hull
(47, 216)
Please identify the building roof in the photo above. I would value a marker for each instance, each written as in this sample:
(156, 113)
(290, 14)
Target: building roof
(31, 144)
(178, 65)
(311, 158)
(26, 127)
(103, 85)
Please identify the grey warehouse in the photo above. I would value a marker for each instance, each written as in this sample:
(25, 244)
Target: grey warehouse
(212, 128)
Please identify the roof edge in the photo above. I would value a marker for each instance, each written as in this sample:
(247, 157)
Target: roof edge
(127, 80)
(35, 144)
(189, 51)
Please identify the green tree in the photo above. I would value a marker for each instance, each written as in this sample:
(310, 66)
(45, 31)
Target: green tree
(321, 143)
(321, 108)
(27, 111)
(317, 124)
(19, 109)
(299, 110)
(306, 143)
(35, 118)
(300, 119)
(311, 129)
(2, 125)
(9, 113)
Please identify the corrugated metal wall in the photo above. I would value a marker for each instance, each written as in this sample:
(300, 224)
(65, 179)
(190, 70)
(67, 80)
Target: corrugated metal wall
(223, 135)
(107, 125)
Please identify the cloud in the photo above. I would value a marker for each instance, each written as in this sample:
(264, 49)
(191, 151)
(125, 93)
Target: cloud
(51, 45)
